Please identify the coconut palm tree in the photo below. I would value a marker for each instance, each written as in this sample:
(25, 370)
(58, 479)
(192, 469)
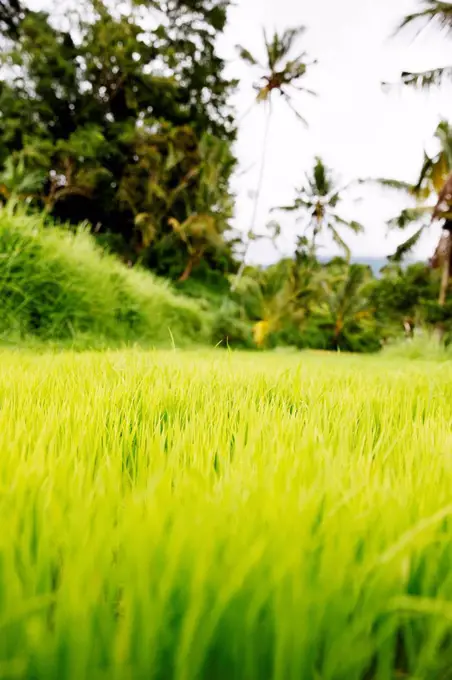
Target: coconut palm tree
(199, 232)
(433, 193)
(346, 306)
(209, 207)
(282, 293)
(317, 202)
(282, 74)
(437, 167)
(436, 12)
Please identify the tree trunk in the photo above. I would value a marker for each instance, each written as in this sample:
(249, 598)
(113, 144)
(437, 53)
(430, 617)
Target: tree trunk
(446, 272)
(187, 271)
(256, 197)
(440, 330)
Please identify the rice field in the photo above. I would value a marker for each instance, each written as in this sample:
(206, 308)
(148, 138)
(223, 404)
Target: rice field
(220, 516)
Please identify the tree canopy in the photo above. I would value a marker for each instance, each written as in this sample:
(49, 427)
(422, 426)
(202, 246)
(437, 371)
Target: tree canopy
(116, 114)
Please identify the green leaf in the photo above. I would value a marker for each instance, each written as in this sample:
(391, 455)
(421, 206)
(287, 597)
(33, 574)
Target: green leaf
(407, 246)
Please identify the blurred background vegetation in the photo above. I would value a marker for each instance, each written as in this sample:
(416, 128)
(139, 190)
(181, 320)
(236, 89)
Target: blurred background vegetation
(116, 158)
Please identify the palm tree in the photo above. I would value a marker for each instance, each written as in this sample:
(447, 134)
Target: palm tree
(436, 168)
(210, 206)
(17, 181)
(281, 74)
(434, 181)
(346, 306)
(317, 201)
(199, 232)
(436, 12)
(282, 293)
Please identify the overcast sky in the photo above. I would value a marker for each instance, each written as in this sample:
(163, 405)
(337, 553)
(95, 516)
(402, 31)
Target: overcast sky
(359, 130)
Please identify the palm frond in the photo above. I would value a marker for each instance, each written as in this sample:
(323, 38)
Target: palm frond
(409, 216)
(304, 90)
(337, 238)
(425, 170)
(356, 227)
(335, 195)
(146, 226)
(292, 71)
(388, 183)
(439, 172)
(246, 56)
(321, 182)
(298, 204)
(405, 247)
(427, 79)
(272, 49)
(293, 109)
(435, 11)
(288, 39)
(351, 298)
(444, 135)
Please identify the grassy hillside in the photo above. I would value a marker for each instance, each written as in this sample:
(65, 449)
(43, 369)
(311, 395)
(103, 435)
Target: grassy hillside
(176, 516)
(56, 284)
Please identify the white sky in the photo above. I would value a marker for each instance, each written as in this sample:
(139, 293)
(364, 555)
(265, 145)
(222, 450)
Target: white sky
(359, 130)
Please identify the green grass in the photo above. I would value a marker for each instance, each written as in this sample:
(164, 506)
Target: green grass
(59, 286)
(426, 347)
(219, 516)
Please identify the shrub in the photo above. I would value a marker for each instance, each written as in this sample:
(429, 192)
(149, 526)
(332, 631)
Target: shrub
(228, 330)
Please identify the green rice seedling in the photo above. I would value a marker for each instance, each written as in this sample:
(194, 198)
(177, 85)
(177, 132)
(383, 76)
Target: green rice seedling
(217, 516)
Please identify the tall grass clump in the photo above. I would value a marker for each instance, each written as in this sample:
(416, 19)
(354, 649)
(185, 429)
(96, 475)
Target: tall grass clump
(426, 347)
(173, 516)
(57, 284)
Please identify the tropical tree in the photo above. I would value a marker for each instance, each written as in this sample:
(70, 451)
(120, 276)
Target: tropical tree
(442, 257)
(111, 108)
(317, 201)
(198, 233)
(433, 180)
(280, 296)
(17, 181)
(282, 74)
(209, 206)
(433, 195)
(405, 297)
(346, 310)
(438, 12)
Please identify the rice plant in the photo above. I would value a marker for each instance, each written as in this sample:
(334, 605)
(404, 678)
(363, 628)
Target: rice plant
(217, 516)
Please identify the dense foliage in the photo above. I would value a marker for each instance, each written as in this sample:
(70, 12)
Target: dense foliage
(119, 117)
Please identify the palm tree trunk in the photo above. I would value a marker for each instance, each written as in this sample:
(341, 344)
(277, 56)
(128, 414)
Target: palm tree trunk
(315, 233)
(445, 278)
(446, 272)
(187, 271)
(257, 195)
